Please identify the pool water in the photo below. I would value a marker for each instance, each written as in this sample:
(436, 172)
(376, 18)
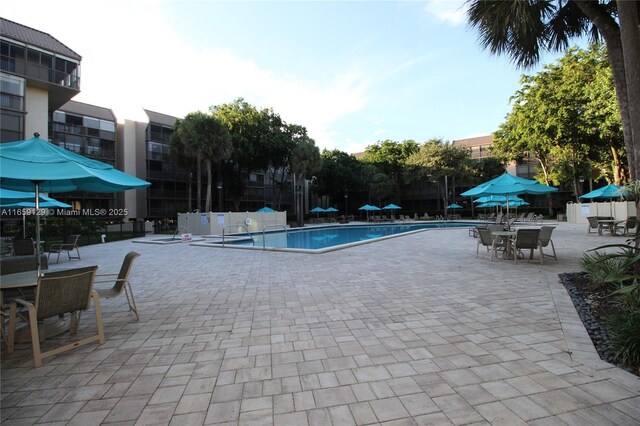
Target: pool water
(327, 237)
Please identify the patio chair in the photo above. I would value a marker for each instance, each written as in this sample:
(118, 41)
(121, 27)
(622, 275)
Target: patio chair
(625, 226)
(120, 284)
(527, 239)
(493, 245)
(69, 244)
(24, 247)
(544, 239)
(58, 293)
(592, 224)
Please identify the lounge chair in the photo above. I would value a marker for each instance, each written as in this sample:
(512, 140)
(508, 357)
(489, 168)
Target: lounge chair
(58, 293)
(528, 217)
(527, 239)
(69, 244)
(493, 245)
(120, 283)
(520, 217)
(545, 239)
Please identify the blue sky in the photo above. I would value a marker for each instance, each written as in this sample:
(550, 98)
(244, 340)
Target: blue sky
(353, 72)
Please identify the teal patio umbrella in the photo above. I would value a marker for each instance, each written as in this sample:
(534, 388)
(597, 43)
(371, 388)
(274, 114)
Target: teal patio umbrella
(265, 209)
(38, 165)
(317, 211)
(19, 199)
(509, 185)
(608, 192)
(454, 206)
(368, 209)
(25, 200)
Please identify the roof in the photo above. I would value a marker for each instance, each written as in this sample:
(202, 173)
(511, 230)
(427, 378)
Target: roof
(80, 108)
(35, 38)
(158, 118)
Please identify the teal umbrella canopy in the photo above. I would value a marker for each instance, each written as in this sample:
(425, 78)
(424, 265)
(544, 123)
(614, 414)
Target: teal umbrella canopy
(265, 209)
(609, 191)
(331, 210)
(17, 199)
(454, 206)
(369, 208)
(317, 210)
(497, 199)
(508, 185)
(38, 165)
(24, 163)
(391, 207)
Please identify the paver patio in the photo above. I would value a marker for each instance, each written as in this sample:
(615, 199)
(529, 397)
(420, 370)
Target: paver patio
(410, 330)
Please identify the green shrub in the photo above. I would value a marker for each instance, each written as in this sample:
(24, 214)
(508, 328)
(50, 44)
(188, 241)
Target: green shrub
(624, 332)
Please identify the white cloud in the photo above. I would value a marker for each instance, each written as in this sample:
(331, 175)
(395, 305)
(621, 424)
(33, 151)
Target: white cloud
(134, 59)
(449, 11)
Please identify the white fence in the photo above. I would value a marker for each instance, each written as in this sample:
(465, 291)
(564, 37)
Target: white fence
(619, 210)
(212, 223)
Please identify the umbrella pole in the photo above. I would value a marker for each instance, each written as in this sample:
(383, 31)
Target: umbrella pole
(37, 184)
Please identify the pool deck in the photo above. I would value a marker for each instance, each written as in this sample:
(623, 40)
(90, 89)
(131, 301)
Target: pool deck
(409, 330)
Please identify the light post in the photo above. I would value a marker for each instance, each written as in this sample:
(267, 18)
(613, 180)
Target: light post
(220, 199)
(346, 205)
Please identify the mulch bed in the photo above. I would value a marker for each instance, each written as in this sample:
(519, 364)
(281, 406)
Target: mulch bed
(593, 307)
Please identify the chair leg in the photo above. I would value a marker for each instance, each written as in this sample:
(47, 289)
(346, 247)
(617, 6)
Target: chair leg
(35, 336)
(132, 303)
(96, 304)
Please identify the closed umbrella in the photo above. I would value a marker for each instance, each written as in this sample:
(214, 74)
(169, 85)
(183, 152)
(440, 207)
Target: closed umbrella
(37, 165)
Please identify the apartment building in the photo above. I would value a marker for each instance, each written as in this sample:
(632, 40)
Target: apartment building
(38, 75)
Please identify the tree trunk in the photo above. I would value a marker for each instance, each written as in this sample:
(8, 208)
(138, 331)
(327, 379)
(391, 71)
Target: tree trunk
(630, 40)
(207, 207)
(199, 181)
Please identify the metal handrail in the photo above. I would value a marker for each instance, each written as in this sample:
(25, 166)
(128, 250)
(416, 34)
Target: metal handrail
(238, 225)
(184, 228)
(264, 228)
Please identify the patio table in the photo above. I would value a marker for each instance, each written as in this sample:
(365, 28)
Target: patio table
(608, 224)
(507, 235)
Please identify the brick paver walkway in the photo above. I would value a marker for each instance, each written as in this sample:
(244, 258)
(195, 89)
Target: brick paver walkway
(411, 330)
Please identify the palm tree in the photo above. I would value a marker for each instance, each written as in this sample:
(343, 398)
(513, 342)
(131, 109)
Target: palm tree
(522, 28)
(207, 137)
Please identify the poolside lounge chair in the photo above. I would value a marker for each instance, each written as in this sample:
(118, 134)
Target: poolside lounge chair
(527, 239)
(528, 217)
(120, 283)
(493, 245)
(58, 293)
(69, 244)
(520, 217)
(545, 239)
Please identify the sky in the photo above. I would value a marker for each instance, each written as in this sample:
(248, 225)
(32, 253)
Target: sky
(353, 73)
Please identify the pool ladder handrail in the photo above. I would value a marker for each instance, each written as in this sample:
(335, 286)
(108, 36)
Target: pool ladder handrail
(184, 228)
(264, 228)
(241, 225)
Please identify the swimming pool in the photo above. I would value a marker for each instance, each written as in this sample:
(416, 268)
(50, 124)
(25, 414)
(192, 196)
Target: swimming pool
(327, 238)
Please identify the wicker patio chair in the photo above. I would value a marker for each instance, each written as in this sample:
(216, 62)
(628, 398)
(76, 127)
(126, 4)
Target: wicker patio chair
(120, 284)
(627, 225)
(70, 244)
(58, 293)
(593, 224)
(527, 239)
(545, 240)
